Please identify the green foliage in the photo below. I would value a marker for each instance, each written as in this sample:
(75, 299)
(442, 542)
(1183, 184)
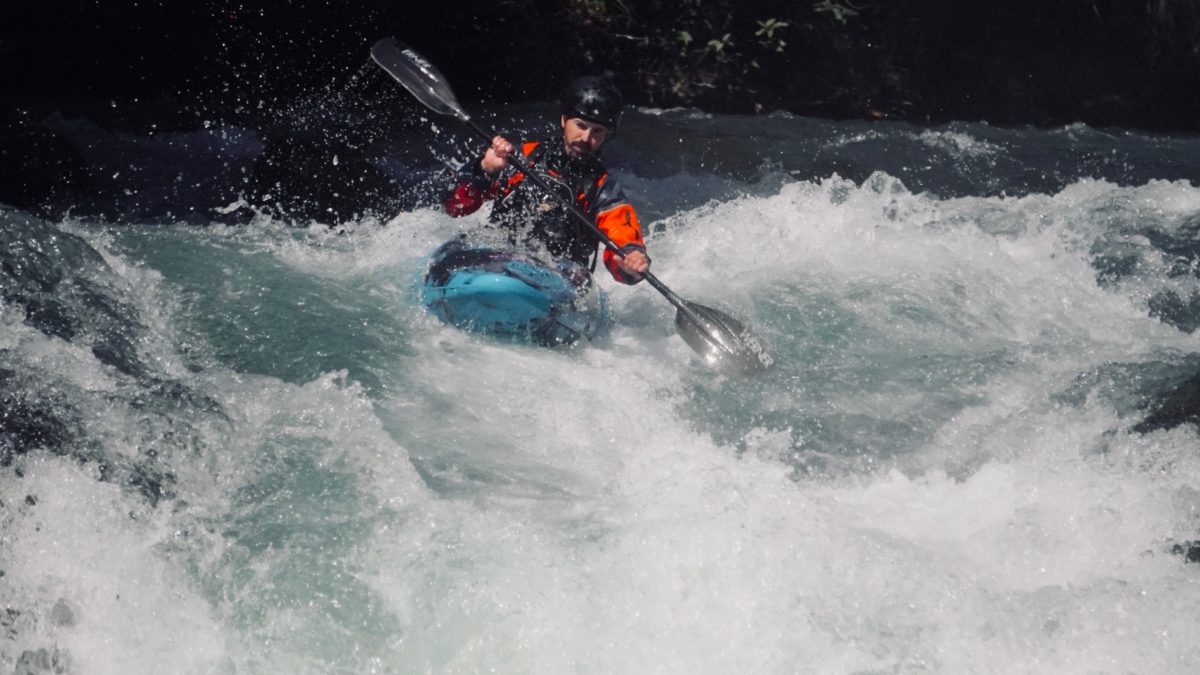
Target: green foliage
(705, 51)
(839, 11)
(920, 60)
(685, 42)
(766, 34)
(718, 46)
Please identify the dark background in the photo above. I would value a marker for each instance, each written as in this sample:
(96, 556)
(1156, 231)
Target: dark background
(1134, 63)
(148, 66)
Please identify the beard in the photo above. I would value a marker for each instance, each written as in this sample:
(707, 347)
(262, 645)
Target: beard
(579, 150)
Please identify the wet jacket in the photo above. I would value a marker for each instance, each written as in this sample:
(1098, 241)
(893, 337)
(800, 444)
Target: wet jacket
(532, 218)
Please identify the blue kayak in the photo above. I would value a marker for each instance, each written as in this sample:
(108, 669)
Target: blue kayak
(513, 294)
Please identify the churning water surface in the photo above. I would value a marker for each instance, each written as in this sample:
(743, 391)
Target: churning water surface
(246, 449)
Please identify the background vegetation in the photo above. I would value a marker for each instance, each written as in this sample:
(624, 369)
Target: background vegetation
(1132, 63)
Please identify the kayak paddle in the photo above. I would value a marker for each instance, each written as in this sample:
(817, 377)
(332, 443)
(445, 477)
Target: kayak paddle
(721, 340)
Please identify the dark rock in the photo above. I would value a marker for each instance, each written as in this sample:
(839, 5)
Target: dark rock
(1190, 550)
(60, 281)
(8, 622)
(62, 614)
(1173, 310)
(26, 422)
(1178, 405)
(41, 662)
(69, 293)
(152, 482)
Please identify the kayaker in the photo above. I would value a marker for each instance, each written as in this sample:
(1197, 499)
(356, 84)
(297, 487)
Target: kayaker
(590, 114)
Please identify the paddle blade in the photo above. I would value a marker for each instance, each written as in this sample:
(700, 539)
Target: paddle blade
(722, 341)
(418, 76)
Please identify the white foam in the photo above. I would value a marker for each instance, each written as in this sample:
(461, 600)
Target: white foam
(598, 531)
(646, 546)
(87, 546)
(620, 509)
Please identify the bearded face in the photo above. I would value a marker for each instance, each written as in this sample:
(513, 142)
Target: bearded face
(583, 138)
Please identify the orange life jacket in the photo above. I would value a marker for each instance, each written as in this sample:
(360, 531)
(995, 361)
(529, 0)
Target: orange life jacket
(531, 215)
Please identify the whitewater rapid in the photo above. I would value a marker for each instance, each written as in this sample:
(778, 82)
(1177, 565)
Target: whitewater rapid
(269, 460)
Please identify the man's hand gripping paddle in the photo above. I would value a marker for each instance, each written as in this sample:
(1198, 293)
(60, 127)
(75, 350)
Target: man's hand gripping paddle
(723, 342)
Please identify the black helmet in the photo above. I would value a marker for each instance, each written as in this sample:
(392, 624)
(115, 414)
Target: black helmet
(593, 98)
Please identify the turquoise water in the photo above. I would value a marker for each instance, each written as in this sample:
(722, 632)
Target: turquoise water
(272, 461)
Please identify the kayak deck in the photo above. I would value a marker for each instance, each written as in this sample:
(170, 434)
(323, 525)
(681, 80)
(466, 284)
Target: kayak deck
(512, 294)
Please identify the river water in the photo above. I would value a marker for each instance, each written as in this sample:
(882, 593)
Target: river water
(244, 448)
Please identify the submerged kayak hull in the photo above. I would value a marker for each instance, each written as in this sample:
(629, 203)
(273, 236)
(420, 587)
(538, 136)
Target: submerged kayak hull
(511, 294)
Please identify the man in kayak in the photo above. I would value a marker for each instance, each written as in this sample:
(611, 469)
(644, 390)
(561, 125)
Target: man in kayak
(591, 111)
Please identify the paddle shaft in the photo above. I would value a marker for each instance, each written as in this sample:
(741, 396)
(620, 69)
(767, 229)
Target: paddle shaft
(587, 222)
